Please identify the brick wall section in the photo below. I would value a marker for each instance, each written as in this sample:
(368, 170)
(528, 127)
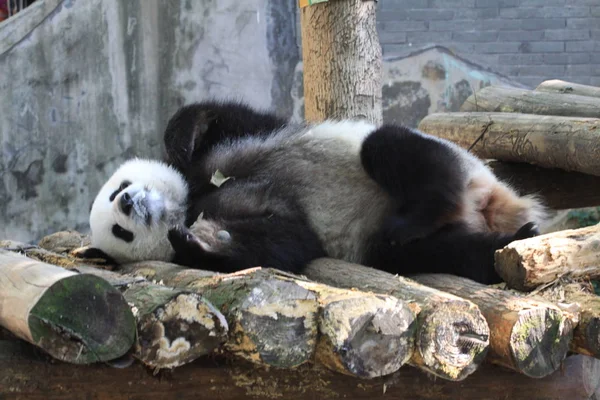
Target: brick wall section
(527, 40)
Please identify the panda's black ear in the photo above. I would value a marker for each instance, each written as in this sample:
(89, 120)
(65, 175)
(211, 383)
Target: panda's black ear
(93, 253)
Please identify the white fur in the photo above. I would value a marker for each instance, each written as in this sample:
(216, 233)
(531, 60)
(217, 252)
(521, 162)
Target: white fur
(159, 194)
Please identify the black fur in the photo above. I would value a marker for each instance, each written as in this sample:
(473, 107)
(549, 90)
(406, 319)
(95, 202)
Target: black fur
(407, 165)
(268, 228)
(196, 128)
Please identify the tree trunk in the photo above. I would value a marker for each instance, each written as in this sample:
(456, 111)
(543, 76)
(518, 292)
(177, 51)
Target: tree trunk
(562, 87)
(526, 264)
(568, 143)
(77, 318)
(514, 100)
(342, 62)
(586, 336)
(174, 326)
(527, 335)
(452, 335)
(559, 189)
(276, 317)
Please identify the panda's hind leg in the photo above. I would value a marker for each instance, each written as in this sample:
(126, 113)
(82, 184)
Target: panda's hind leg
(422, 175)
(454, 249)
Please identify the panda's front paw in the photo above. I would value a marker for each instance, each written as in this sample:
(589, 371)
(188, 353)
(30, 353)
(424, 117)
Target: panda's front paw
(528, 230)
(398, 232)
(184, 241)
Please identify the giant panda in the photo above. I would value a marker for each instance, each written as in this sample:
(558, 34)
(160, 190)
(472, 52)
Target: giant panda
(389, 197)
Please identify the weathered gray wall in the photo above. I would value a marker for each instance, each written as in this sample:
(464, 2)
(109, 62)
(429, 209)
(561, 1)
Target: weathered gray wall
(527, 40)
(86, 84)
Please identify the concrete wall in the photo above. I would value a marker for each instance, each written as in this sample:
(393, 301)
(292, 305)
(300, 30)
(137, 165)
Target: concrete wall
(86, 84)
(526, 40)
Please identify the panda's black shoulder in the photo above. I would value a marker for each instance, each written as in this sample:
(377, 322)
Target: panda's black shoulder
(197, 128)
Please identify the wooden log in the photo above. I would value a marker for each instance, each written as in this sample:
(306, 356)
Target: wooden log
(174, 326)
(276, 318)
(562, 87)
(342, 62)
(25, 376)
(526, 264)
(528, 335)
(78, 318)
(64, 241)
(558, 189)
(586, 336)
(515, 100)
(568, 143)
(452, 335)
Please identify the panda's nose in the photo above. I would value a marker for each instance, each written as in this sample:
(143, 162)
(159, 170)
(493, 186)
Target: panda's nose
(126, 203)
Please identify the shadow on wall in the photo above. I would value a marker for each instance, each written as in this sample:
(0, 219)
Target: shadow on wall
(429, 80)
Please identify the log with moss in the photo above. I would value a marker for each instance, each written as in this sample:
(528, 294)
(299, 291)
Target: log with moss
(78, 318)
(562, 87)
(528, 335)
(568, 143)
(585, 304)
(452, 335)
(526, 264)
(174, 326)
(275, 318)
(559, 189)
(515, 100)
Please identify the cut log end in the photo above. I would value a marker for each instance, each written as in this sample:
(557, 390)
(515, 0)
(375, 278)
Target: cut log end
(82, 319)
(180, 331)
(366, 336)
(276, 324)
(453, 339)
(540, 341)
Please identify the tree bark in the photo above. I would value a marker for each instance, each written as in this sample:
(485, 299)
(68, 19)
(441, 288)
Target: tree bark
(514, 100)
(342, 62)
(78, 318)
(562, 87)
(568, 143)
(526, 264)
(276, 316)
(559, 189)
(586, 336)
(452, 335)
(174, 326)
(527, 335)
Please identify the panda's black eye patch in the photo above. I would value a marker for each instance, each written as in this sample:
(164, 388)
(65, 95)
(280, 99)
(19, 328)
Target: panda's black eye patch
(123, 185)
(122, 233)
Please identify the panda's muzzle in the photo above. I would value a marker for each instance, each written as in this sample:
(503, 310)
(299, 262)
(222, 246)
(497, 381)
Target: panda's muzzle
(126, 203)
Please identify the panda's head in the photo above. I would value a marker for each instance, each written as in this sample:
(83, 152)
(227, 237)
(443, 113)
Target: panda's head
(134, 210)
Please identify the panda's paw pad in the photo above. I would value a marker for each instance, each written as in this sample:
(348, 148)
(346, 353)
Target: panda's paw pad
(528, 230)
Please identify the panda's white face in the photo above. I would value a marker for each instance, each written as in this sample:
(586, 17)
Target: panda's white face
(134, 210)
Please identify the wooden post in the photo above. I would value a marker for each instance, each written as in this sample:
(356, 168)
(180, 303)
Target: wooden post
(568, 143)
(526, 264)
(530, 336)
(341, 58)
(452, 335)
(78, 318)
(174, 326)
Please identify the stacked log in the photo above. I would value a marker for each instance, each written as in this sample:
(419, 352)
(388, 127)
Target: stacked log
(527, 264)
(562, 87)
(174, 326)
(452, 335)
(527, 335)
(78, 318)
(284, 321)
